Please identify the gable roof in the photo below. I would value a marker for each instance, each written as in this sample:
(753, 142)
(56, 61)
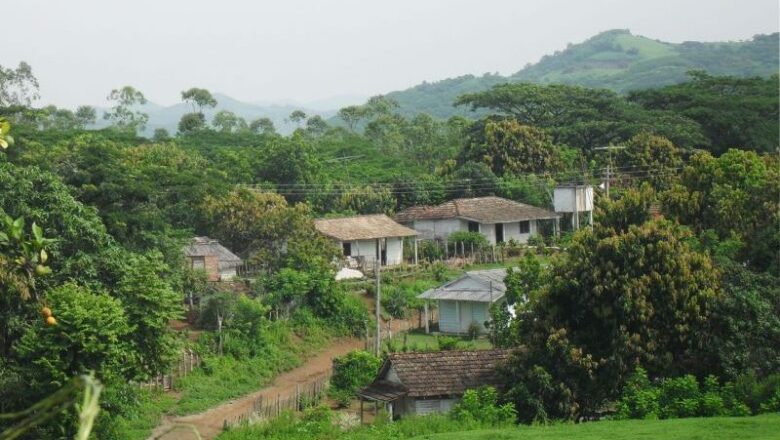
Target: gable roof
(491, 281)
(362, 227)
(205, 246)
(482, 209)
(436, 374)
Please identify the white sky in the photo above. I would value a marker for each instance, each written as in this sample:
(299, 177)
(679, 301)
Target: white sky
(306, 50)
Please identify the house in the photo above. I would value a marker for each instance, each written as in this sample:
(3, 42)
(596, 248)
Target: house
(422, 383)
(208, 254)
(367, 238)
(571, 200)
(466, 300)
(496, 218)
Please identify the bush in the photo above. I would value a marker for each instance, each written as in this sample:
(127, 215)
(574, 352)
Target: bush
(352, 372)
(481, 405)
(447, 342)
(468, 239)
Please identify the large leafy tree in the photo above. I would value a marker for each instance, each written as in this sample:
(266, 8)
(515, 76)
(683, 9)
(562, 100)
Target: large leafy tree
(651, 158)
(581, 117)
(733, 112)
(509, 147)
(735, 197)
(18, 86)
(615, 300)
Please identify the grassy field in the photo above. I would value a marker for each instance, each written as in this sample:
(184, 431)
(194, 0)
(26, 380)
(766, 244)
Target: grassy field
(764, 427)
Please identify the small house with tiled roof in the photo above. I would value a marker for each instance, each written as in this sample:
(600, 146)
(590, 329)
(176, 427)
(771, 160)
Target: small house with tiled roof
(367, 238)
(204, 253)
(421, 383)
(497, 218)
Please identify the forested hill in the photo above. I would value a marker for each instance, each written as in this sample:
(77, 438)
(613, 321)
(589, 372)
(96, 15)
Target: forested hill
(613, 59)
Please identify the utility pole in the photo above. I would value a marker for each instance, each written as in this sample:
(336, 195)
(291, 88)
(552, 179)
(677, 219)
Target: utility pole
(377, 266)
(609, 164)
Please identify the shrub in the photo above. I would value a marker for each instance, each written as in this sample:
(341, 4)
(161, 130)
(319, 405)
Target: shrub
(474, 330)
(351, 372)
(447, 342)
(439, 271)
(468, 239)
(481, 405)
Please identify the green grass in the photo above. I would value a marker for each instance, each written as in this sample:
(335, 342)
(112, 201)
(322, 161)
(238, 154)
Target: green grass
(765, 426)
(153, 404)
(416, 340)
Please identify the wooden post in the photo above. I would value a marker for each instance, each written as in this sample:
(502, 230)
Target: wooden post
(378, 274)
(361, 410)
(427, 329)
(415, 251)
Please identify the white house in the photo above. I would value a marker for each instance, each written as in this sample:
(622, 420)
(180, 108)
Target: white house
(466, 300)
(365, 239)
(422, 383)
(496, 218)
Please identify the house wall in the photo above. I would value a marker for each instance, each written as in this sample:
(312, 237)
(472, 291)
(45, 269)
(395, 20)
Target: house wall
(227, 274)
(394, 247)
(563, 199)
(441, 228)
(457, 316)
(212, 267)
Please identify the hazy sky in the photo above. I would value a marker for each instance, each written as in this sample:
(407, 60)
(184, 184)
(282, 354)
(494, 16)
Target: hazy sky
(306, 50)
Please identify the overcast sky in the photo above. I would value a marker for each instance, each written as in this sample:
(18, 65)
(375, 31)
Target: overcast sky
(306, 50)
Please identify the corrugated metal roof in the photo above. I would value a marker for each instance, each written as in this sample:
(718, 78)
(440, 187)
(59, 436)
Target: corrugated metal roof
(481, 209)
(363, 227)
(491, 280)
(205, 246)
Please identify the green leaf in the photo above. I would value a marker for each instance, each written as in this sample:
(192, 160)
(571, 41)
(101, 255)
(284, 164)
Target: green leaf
(37, 232)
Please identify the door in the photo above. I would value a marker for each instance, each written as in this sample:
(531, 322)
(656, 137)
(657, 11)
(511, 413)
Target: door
(499, 232)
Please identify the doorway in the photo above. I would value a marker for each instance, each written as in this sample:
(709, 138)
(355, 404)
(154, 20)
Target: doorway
(499, 232)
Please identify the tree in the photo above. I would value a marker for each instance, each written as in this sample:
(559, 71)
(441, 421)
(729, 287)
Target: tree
(316, 125)
(734, 196)
(85, 115)
(122, 115)
(508, 147)
(161, 135)
(199, 99)
(653, 157)
(261, 226)
(472, 179)
(733, 112)
(92, 325)
(18, 86)
(150, 304)
(192, 123)
(228, 122)
(262, 125)
(351, 115)
(614, 301)
(297, 116)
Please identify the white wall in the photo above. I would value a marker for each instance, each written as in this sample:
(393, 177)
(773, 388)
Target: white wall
(563, 199)
(367, 249)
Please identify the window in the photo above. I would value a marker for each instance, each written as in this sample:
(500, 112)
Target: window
(347, 248)
(525, 227)
(473, 227)
(198, 263)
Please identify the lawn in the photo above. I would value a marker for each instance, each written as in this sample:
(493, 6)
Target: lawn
(416, 340)
(766, 426)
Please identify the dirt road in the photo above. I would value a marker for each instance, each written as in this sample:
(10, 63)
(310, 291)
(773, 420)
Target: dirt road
(209, 423)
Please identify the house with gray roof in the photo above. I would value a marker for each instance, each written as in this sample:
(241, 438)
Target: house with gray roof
(420, 383)
(204, 253)
(498, 219)
(466, 301)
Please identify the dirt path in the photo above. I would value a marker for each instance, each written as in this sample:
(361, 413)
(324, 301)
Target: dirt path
(209, 423)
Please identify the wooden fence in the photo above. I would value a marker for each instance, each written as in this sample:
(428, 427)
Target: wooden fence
(189, 361)
(268, 407)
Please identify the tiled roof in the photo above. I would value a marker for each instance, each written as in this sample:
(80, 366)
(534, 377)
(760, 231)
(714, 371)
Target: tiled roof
(493, 290)
(205, 246)
(364, 227)
(481, 209)
(445, 373)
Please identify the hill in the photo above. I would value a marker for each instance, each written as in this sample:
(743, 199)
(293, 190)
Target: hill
(616, 60)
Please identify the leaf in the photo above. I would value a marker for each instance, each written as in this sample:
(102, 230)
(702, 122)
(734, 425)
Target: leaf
(3, 143)
(44, 256)
(37, 232)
